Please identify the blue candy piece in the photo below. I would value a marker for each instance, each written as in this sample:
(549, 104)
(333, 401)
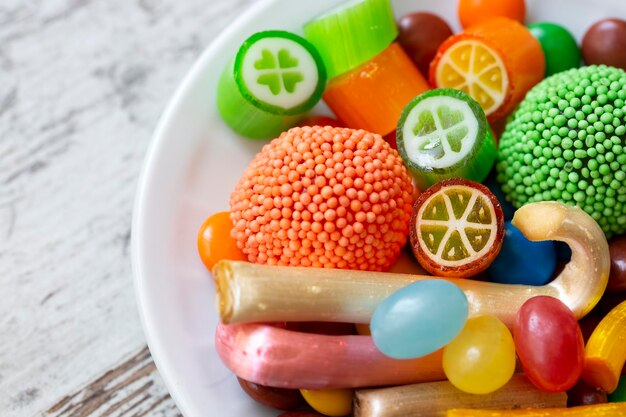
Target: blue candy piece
(494, 186)
(521, 261)
(419, 319)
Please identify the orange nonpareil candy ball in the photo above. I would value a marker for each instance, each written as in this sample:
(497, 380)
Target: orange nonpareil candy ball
(324, 197)
(215, 242)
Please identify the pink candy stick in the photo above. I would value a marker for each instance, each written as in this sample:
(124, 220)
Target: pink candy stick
(275, 357)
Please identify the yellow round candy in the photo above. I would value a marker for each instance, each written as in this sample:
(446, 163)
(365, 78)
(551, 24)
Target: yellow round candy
(330, 402)
(481, 359)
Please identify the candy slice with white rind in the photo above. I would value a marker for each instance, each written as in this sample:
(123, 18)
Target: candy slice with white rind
(275, 78)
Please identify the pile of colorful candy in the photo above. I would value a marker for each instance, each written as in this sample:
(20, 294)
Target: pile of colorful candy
(309, 310)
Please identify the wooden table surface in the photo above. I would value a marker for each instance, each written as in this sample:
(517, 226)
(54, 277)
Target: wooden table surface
(82, 85)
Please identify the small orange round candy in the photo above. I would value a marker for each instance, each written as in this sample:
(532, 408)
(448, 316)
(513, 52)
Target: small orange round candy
(472, 12)
(215, 242)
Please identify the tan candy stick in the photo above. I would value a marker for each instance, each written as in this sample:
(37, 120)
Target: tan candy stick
(253, 293)
(432, 399)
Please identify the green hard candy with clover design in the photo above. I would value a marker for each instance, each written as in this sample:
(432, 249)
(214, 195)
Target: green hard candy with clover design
(566, 142)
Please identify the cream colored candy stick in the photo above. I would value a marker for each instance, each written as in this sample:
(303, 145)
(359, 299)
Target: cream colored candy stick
(251, 293)
(432, 399)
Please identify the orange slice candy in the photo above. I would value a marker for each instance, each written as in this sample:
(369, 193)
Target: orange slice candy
(496, 62)
(477, 70)
(457, 228)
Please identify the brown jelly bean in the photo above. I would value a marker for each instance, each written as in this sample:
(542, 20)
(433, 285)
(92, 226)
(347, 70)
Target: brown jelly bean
(617, 250)
(325, 328)
(605, 43)
(583, 394)
(278, 398)
(420, 36)
(301, 413)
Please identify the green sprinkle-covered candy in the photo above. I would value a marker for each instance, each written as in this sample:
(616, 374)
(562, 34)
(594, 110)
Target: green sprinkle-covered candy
(565, 142)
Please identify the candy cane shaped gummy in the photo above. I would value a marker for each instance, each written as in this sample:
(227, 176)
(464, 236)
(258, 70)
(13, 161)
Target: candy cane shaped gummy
(248, 292)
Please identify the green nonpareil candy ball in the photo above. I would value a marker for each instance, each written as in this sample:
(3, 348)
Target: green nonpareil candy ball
(559, 46)
(566, 142)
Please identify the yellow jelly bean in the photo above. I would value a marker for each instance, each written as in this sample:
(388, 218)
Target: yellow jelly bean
(481, 358)
(330, 402)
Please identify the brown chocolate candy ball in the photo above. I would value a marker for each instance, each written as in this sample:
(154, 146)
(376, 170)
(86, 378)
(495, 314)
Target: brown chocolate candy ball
(278, 398)
(605, 43)
(420, 35)
(617, 250)
(583, 394)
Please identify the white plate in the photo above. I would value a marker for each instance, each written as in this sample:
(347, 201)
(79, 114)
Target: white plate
(191, 167)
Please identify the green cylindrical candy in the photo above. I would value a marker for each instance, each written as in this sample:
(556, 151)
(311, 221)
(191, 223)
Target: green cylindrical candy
(352, 34)
(275, 78)
(444, 133)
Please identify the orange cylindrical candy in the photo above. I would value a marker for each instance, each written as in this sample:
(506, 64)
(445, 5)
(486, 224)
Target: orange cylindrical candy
(372, 96)
(496, 62)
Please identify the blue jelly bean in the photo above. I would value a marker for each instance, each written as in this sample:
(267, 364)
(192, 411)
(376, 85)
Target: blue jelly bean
(419, 319)
(521, 261)
(507, 208)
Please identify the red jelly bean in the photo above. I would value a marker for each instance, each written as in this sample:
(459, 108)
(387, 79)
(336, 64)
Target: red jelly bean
(549, 343)
(278, 398)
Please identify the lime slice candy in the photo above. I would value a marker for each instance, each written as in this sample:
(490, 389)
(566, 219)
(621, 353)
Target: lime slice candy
(443, 133)
(457, 228)
(275, 78)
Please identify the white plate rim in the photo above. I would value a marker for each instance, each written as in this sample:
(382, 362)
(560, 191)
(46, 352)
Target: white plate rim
(145, 183)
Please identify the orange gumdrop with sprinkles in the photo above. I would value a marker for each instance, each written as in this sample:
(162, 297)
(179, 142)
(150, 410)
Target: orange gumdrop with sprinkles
(324, 197)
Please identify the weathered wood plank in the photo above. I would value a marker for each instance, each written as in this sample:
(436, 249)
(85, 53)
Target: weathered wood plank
(132, 389)
(82, 85)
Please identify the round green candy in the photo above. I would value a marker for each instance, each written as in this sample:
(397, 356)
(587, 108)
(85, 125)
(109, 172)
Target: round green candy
(559, 46)
(542, 156)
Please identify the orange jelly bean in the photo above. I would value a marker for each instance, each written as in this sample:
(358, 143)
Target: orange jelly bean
(215, 242)
(372, 96)
(496, 62)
